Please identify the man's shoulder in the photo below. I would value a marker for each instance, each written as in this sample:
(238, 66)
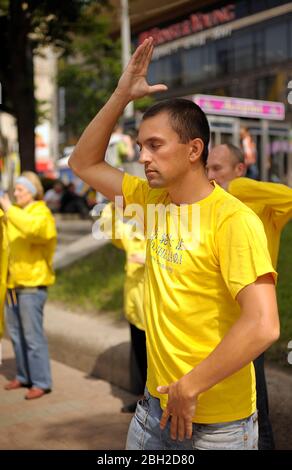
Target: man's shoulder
(228, 207)
(136, 183)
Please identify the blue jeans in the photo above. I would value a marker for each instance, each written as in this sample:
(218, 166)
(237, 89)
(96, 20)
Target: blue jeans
(24, 315)
(145, 433)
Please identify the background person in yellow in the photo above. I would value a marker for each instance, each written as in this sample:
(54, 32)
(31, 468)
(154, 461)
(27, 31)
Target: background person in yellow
(31, 235)
(133, 243)
(210, 305)
(3, 271)
(272, 202)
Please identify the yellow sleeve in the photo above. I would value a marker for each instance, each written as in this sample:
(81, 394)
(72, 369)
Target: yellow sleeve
(243, 251)
(278, 197)
(112, 226)
(135, 190)
(136, 195)
(39, 225)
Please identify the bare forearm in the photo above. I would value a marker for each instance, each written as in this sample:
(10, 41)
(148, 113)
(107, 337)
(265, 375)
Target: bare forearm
(93, 143)
(245, 341)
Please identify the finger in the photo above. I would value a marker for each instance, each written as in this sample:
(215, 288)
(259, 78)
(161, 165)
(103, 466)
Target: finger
(147, 56)
(164, 418)
(143, 53)
(157, 88)
(163, 389)
(181, 429)
(173, 427)
(138, 54)
(188, 429)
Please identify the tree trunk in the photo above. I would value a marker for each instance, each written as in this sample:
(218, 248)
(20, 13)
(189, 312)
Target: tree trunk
(23, 83)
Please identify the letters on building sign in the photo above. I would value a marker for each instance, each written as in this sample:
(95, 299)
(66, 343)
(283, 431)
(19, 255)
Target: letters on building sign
(195, 23)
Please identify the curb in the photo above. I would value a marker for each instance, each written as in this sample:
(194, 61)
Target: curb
(98, 346)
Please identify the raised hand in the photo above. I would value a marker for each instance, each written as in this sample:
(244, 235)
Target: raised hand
(133, 83)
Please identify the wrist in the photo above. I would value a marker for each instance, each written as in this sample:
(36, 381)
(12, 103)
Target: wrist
(190, 385)
(122, 96)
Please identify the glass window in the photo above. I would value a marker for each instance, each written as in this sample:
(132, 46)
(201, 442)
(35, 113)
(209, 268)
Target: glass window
(243, 51)
(225, 62)
(259, 50)
(276, 42)
(191, 63)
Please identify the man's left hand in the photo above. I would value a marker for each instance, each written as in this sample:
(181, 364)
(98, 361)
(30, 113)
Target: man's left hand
(180, 408)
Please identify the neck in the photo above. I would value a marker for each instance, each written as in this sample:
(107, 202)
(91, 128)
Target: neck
(193, 187)
(28, 204)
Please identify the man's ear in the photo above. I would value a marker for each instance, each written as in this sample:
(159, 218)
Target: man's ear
(240, 169)
(196, 149)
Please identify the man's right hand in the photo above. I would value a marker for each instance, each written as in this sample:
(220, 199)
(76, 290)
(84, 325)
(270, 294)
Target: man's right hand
(87, 160)
(133, 83)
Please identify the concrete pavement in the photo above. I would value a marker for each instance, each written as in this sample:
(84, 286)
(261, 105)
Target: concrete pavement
(81, 413)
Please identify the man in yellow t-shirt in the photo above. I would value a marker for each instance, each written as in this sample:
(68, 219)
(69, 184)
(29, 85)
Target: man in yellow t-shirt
(272, 202)
(209, 300)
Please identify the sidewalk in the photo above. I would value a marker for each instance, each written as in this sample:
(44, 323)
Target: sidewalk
(81, 413)
(84, 412)
(98, 345)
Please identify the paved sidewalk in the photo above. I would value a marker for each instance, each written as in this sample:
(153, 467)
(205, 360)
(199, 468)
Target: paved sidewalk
(84, 412)
(81, 413)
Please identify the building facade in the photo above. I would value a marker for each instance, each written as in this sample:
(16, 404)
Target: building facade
(239, 49)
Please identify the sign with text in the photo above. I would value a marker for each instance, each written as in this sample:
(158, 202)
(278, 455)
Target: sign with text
(240, 107)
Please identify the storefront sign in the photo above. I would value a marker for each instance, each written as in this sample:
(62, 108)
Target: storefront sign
(196, 22)
(227, 106)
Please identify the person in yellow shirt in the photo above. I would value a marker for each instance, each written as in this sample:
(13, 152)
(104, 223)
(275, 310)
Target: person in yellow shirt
(3, 271)
(31, 236)
(209, 295)
(272, 202)
(121, 234)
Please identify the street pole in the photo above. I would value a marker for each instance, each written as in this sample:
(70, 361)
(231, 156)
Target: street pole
(126, 48)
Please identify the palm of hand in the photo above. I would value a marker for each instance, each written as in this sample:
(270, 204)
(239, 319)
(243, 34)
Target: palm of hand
(133, 81)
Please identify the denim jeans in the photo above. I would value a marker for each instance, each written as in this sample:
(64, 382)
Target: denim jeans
(24, 315)
(145, 433)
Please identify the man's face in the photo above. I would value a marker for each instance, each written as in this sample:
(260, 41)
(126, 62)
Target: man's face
(222, 167)
(165, 158)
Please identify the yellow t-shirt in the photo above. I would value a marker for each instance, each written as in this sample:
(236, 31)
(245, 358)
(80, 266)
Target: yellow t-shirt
(190, 292)
(3, 269)
(121, 235)
(272, 202)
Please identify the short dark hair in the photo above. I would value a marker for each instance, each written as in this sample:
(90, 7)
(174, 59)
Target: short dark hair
(236, 152)
(187, 120)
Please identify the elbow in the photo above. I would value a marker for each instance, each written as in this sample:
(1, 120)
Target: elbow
(275, 334)
(72, 164)
(272, 334)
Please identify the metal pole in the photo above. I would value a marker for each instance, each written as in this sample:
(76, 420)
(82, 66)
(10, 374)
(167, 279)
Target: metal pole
(126, 47)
